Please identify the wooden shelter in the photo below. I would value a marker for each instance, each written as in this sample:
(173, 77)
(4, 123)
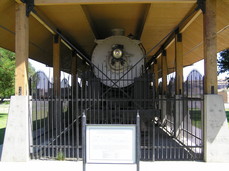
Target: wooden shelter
(155, 23)
(174, 33)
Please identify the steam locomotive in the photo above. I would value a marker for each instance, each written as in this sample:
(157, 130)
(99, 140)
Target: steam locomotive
(119, 59)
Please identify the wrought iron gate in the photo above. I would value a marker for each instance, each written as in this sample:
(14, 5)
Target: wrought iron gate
(56, 116)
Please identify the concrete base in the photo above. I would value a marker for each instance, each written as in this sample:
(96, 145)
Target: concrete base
(16, 141)
(216, 131)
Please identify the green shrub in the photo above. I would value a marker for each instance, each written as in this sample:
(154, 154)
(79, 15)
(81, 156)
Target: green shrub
(60, 156)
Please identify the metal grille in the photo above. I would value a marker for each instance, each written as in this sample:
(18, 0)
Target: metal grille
(171, 125)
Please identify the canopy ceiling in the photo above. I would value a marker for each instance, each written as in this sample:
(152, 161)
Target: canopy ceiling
(81, 22)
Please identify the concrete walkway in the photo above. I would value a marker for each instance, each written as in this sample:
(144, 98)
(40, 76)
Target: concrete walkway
(38, 165)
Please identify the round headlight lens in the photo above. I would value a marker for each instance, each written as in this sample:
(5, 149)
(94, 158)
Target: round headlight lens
(117, 53)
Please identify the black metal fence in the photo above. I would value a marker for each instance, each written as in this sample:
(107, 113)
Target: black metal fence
(182, 119)
(171, 125)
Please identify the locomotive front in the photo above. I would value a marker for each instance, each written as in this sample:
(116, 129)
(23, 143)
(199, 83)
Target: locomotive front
(115, 57)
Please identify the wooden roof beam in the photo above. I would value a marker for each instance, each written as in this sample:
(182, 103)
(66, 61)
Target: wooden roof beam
(80, 2)
(19, 1)
(90, 21)
(193, 14)
(54, 30)
(42, 19)
(47, 24)
(142, 24)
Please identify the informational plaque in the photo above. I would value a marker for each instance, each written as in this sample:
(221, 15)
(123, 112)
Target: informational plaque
(111, 144)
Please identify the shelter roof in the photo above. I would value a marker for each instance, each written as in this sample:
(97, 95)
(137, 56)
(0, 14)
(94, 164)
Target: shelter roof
(83, 21)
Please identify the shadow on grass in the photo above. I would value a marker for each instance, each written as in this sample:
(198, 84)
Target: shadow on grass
(3, 120)
(227, 115)
(2, 132)
(3, 115)
(195, 116)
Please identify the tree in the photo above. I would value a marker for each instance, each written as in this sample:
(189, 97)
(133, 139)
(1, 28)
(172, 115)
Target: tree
(7, 70)
(31, 70)
(223, 63)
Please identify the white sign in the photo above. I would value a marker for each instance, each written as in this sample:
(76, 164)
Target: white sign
(111, 144)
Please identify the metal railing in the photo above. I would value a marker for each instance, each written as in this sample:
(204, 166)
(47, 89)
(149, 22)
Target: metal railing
(171, 125)
(182, 120)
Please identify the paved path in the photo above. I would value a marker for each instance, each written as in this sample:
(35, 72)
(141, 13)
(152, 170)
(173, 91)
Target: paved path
(144, 166)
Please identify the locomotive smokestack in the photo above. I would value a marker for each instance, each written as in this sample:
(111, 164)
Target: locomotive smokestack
(118, 32)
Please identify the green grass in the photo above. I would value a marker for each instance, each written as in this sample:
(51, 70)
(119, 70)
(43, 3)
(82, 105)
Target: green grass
(227, 115)
(195, 116)
(60, 156)
(3, 120)
(5, 103)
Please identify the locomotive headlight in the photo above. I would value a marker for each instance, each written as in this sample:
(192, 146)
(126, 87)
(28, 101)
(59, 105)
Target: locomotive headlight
(117, 53)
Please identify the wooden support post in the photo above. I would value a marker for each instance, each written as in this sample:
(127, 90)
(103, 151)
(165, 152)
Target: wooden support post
(179, 63)
(21, 50)
(210, 47)
(74, 69)
(164, 72)
(155, 70)
(56, 65)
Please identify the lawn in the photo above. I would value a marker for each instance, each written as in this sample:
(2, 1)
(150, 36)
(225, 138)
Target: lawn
(3, 120)
(195, 116)
(227, 114)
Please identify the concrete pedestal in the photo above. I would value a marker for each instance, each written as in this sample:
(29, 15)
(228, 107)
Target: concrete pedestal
(16, 141)
(216, 131)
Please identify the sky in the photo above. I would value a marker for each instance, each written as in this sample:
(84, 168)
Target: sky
(47, 70)
(199, 66)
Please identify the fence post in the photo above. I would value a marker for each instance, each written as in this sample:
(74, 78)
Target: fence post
(153, 143)
(84, 140)
(138, 136)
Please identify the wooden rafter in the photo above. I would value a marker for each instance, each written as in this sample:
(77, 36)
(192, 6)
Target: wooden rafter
(71, 2)
(90, 21)
(193, 14)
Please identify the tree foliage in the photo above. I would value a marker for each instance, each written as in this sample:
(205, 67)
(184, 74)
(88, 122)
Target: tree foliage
(223, 63)
(7, 70)
(31, 70)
